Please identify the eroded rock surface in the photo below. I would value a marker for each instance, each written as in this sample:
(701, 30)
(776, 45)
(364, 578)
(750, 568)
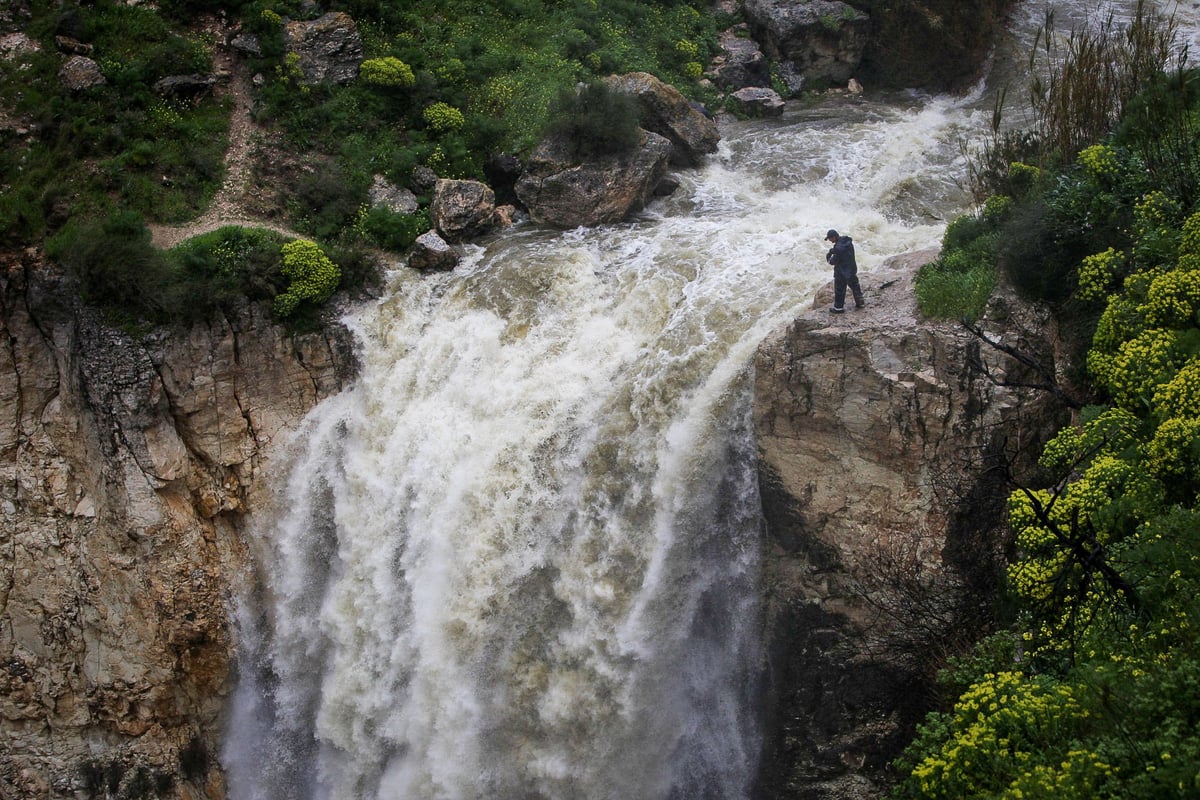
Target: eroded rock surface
(883, 448)
(128, 467)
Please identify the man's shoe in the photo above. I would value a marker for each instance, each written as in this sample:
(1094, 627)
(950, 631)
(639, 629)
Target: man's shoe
(861, 305)
(836, 310)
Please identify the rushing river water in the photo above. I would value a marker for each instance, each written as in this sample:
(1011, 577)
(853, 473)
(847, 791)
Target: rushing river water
(518, 558)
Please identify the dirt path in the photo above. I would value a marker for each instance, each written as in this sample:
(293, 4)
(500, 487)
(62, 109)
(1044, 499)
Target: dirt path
(227, 206)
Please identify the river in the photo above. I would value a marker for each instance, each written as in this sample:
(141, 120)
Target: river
(518, 559)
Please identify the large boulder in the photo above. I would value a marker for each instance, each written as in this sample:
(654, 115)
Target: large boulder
(462, 210)
(885, 445)
(330, 47)
(557, 190)
(431, 252)
(665, 111)
(756, 101)
(822, 40)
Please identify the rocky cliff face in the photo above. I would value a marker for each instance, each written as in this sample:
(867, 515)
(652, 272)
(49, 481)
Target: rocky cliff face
(128, 468)
(884, 446)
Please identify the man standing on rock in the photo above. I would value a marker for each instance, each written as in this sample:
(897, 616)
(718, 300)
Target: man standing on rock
(845, 272)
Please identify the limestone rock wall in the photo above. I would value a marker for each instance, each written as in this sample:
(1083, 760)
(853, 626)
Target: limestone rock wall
(883, 448)
(128, 467)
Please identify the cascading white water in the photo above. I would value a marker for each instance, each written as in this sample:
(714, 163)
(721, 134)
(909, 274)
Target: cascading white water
(518, 558)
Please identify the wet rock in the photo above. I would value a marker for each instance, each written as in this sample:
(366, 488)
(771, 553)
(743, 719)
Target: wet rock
(559, 191)
(742, 63)
(757, 102)
(667, 186)
(79, 73)
(432, 252)
(462, 210)
(666, 112)
(330, 47)
(823, 39)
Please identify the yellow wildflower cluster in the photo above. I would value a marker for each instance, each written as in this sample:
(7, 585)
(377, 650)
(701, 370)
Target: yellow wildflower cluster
(388, 72)
(1156, 213)
(1097, 272)
(311, 275)
(1173, 452)
(1173, 299)
(1141, 364)
(443, 117)
(1100, 162)
(1180, 396)
(1189, 244)
(687, 49)
(496, 95)
(996, 207)
(1079, 776)
(997, 729)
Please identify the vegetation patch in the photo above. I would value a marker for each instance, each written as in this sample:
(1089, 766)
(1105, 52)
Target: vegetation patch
(1090, 687)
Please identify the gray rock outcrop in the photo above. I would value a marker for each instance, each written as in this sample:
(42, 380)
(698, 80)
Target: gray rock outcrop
(185, 86)
(822, 40)
(558, 191)
(741, 62)
(883, 450)
(665, 111)
(79, 73)
(392, 197)
(330, 47)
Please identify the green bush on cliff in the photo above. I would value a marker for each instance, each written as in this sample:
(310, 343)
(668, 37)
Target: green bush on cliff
(219, 270)
(1100, 697)
(116, 265)
(1098, 693)
(312, 276)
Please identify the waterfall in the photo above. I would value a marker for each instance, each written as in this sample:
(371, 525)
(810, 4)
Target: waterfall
(519, 557)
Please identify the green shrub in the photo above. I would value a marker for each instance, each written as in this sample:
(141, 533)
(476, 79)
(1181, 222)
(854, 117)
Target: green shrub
(390, 230)
(116, 265)
(388, 72)
(947, 292)
(219, 270)
(443, 117)
(312, 277)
